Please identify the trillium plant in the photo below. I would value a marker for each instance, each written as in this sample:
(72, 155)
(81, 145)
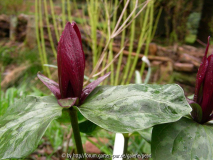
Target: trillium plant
(176, 127)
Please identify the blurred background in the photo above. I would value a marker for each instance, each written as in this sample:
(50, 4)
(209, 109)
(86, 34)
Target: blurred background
(172, 35)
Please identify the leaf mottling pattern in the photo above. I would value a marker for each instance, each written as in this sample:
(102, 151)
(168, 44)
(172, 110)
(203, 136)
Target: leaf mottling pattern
(182, 140)
(134, 107)
(24, 123)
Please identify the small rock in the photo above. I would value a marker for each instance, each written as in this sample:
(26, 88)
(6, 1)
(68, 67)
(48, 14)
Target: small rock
(185, 67)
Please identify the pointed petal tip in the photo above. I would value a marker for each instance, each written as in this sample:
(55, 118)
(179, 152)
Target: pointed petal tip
(73, 23)
(40, 75)
(108, 73)
(52, 85)
(90, 87)
(208, 40)
(207, 46)
(68, 23)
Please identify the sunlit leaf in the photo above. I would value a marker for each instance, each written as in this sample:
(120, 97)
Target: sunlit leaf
(182, 140)
(24, 124)
(134, 107)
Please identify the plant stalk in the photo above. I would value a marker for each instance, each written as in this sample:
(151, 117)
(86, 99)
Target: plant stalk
(126, 140)
(76, 132)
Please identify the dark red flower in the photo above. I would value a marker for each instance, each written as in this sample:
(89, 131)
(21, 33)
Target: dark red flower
(71, 65)
(202, 103)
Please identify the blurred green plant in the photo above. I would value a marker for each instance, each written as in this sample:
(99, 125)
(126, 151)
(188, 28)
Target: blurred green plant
(193, 22)
(106, 58)
(40, 36)
(5, 54)
(102, 23)
(8, 97)
(12, 7)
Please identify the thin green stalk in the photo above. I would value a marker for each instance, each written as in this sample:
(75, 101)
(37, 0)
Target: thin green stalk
(102, 66)
(93, 14)
(63, 13)
(140, 43)
(149, 35)
(111, 46)
(60, 27)
(48, 28)
(76, 131)
(126, 140)
(0, 88)
(132, 36)
(75, 4)
(111, 68)
(37, 35)
(104, 31)
(54, 20)
(156, 23)
(107, 39)
(69, 11)
(44, 54)
(121, 55)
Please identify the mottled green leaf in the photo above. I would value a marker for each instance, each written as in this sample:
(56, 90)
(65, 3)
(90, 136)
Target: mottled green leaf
(88, 127)
(134, 107)
(146, 134)
(24, 123)
(182, 140)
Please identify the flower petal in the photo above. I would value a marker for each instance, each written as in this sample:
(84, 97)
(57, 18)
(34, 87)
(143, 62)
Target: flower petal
(67, 102)
(74, 25)
(200, 76)
(71, 63)
(207, 99)
(90, 87)
(52, 85)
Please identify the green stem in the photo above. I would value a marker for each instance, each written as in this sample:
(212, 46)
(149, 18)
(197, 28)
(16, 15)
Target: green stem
(126, 140)
(48, 28)
(148, 40)
(76, 132)
(54, 20)
(128, 65)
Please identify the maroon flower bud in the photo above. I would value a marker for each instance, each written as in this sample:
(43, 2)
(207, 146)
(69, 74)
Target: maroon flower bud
(71, 65)
(202, 103)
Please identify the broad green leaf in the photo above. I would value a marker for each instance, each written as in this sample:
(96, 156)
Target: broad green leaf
(24, 123)
(146, 134)
(88, 127)
(134, 107)
(182, 140)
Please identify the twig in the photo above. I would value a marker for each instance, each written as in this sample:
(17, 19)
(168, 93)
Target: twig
(121, 16)
(115, 31)
(201, 42)
(116, 8)
(109, 63)
(124, 27)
